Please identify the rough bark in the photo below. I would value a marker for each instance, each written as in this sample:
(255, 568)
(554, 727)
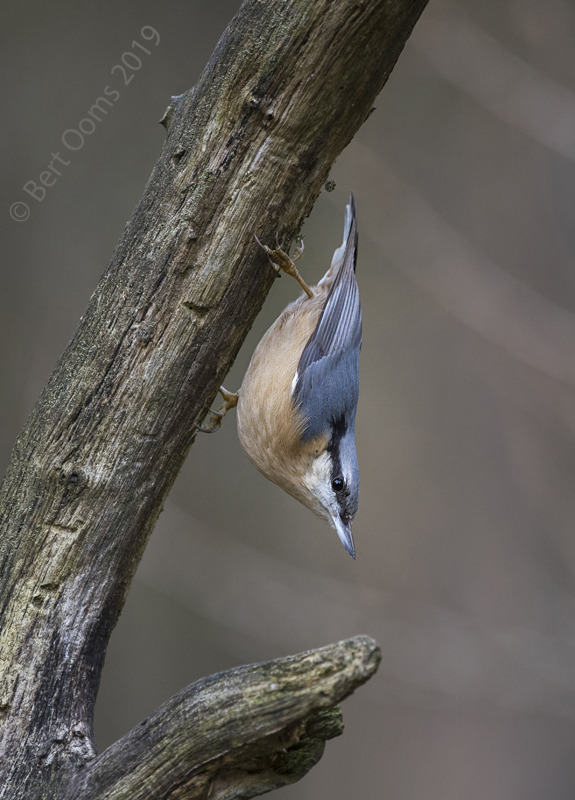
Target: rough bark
(247, 151)
(255, 728)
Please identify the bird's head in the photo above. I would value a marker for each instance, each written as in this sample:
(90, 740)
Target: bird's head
(333, 483)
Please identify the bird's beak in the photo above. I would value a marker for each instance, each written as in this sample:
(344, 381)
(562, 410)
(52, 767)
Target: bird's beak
(344, 533)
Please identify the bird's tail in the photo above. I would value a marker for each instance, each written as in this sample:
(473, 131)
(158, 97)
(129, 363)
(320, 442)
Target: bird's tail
(349, 216)
(338, 255)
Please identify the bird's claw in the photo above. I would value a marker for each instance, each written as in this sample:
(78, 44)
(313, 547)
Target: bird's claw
(230, 401)
(269, 252)
(216, 426)
(280, 260)
(298, 252)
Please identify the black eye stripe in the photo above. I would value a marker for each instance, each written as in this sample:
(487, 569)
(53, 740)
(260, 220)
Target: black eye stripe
(337, 432)
(345, 517)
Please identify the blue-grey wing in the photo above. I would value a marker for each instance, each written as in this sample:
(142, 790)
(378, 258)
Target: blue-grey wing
(327, 384)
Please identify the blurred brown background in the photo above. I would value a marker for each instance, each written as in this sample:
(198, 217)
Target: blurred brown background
(464, 179)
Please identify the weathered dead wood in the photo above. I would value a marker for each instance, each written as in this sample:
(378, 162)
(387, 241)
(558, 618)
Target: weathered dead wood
(236, 734)
(247, 151)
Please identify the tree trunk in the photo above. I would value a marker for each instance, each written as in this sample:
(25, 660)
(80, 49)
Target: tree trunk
(247, 151)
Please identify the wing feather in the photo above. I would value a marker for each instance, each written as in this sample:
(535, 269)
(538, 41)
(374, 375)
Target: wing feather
(339, 326)
(327, 378)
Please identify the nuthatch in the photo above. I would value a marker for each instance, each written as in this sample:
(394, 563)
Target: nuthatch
(297, 402)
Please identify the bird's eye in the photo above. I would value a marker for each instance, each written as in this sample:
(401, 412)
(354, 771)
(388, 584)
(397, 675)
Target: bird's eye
(337, 484)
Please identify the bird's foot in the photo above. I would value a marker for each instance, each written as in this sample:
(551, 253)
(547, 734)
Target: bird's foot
(281, 261)
(230, 401)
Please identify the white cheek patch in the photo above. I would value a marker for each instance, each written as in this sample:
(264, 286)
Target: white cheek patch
(318, 481)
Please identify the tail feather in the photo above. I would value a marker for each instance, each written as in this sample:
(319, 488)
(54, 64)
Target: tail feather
(338, 255)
